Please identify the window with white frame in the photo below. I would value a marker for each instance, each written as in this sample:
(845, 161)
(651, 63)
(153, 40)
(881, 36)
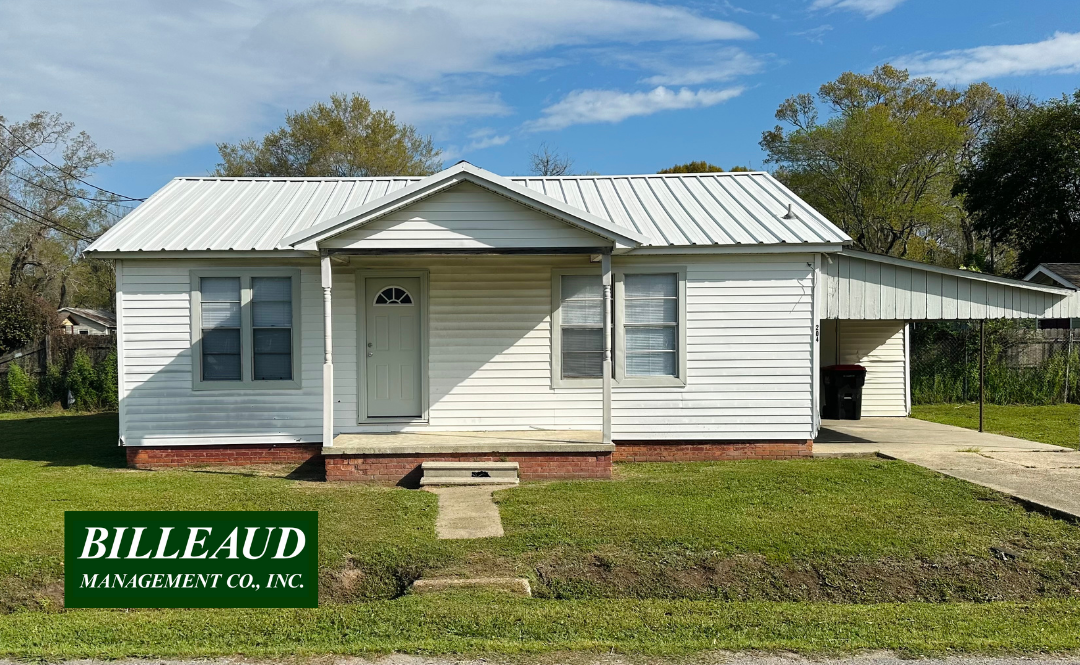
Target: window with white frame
(581, 326)
(245, 328)
(651, 324)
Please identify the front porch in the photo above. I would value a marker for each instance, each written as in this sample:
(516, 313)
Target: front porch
(396, 457)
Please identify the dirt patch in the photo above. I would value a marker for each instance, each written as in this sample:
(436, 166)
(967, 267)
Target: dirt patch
(37, 594)
(748, 577)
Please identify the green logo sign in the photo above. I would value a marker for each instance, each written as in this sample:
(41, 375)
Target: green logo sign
(191, 559)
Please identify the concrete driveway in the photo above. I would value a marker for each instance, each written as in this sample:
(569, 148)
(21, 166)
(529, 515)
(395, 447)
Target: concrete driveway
(1036, 473)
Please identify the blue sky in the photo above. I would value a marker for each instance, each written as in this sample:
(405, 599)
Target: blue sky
(621, 86)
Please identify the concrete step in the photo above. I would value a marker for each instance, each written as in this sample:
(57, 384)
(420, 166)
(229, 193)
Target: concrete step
(469, 473)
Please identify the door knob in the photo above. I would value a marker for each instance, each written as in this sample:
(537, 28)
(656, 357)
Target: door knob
(369, 354)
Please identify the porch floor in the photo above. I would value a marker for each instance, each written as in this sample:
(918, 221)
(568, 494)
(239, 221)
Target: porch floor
(487, 441)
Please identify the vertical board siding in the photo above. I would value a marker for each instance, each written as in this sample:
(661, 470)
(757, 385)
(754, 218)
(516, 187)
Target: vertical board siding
(160, 407)
(465, 216)
(862, 289)
(879, 346)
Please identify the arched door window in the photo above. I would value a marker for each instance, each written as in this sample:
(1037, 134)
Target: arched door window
(393, 295)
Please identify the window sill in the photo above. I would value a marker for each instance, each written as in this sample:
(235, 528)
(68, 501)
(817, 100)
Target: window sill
(246, 385)
(650, 382)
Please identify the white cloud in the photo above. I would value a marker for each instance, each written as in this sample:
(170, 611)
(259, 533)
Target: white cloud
(154, 78)
(815, 35)
(1059, 54)
(485, 138)
(693, 64)
(592, 106)
(871, 8)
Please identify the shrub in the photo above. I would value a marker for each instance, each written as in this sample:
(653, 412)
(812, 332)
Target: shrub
(81, 379)
(19, 390)
(105, 373)
(52, 387)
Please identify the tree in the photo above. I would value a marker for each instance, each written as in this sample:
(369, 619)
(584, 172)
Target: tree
(693, 167)
(343, 138)
(701, 167)
(49, 212)
(24, 318)
(546, 161)
(882, 166)
(1024, 184)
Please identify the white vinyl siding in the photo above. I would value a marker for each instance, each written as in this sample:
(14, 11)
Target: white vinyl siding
(749, 363)
(749, 326)
(880, 347)
(466, 217)
(160, 407)
(489, 332)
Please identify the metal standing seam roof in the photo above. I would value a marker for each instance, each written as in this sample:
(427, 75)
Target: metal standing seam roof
(683, 210)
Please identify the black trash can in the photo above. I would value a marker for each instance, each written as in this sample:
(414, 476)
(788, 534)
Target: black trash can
(841, 388)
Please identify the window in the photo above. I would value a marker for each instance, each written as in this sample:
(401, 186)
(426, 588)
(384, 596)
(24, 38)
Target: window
(271, 328)
(652, 324)
(650, 321)
(393, 295)
(581, 310)
(221, 329)
(649, 345)
(245, 328)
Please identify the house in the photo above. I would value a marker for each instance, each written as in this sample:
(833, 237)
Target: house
(560, 322)
(79, 321)
(1066, 275)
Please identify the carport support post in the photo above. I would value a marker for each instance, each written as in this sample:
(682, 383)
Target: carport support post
(605, 278)
(328, 353)
(982, 369)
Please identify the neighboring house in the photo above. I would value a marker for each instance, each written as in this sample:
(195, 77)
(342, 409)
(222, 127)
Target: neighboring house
(382, 322)
(78, 321)
(1066, 275)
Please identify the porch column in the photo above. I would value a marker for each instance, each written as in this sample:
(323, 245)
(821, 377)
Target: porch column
(328, 353)
(605, 278)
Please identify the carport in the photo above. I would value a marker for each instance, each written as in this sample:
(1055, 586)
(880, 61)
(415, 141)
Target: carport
(869, 301)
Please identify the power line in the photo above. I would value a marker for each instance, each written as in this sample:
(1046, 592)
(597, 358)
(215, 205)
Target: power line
(63, 193)
(70, 175)
(42, 219)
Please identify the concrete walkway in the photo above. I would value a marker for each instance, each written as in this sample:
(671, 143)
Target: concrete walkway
(467, 512)
(1037, 473)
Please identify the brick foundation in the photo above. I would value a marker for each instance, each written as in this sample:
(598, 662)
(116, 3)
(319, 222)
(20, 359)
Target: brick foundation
(709, 451)
(405, 469)
(154, 457)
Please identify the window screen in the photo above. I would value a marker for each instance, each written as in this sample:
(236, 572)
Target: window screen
(220, 328)
(651, 304)
(581, 312)
(271, 328)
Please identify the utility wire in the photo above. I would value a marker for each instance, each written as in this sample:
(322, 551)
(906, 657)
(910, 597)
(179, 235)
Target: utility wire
(72, 176)
(12, 206)
(118, 216)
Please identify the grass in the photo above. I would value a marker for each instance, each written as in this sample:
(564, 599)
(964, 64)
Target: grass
(493, 625)
(666, 559)
(1058, 424)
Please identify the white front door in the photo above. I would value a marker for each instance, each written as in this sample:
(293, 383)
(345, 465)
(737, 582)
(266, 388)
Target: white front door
(393, 347)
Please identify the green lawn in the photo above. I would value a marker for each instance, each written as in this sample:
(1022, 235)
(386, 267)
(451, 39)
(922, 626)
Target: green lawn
(665, 559)
(1059, 425)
